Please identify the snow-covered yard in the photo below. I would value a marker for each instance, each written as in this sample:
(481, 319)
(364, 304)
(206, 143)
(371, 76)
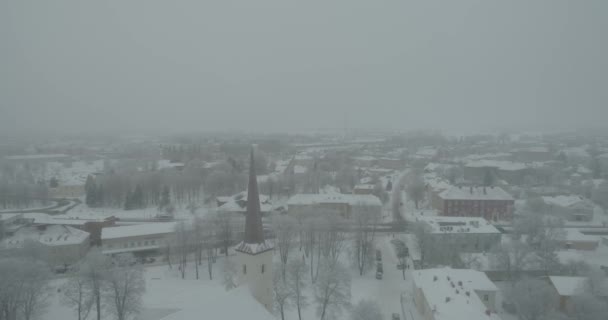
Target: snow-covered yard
(167, 295)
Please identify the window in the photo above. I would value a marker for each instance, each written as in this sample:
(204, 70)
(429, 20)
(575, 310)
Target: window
(145, 243)
(262, 268)
(126, 245)
(153, 241)
(486, 297)
(244, 269)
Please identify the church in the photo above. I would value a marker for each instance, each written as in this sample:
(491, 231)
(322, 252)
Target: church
(254, 253)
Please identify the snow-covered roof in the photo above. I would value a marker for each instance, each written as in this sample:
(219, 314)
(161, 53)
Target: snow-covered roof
(54, 235)
(351, 199)
(563, 200)
(575, 235)
(364, 158)
(365, 187)
(475, 193)
(501, 165)
(568, 286)
(167, 164)
(235, 304)
(254, 248)
(444, 225)
(36, 156)
(137, 230)
(8, 216)
(446, 290)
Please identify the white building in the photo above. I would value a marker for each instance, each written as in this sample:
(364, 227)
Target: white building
(343, 204)
(448, 294)
(140, 238)
(471, 233)
(570, 207)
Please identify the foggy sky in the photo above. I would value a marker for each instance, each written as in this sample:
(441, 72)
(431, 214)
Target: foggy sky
(289, 65)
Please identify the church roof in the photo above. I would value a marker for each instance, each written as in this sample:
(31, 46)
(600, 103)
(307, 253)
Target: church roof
(253, 241)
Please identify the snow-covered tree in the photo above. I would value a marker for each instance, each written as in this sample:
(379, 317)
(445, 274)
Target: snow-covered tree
(94, 269)
(415, 188)
(285, 231)
(78, 295)
(532, 298)
(125, 288)
(365, 220)
(281, 291)
(332, 290)
(296, 276)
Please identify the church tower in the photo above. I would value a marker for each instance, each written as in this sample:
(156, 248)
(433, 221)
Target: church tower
(254, 254)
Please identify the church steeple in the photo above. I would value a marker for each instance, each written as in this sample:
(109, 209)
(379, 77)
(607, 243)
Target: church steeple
(253, 241)
(254, 231)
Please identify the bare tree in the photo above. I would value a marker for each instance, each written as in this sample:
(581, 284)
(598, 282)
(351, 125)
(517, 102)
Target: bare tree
(296, 275)
(198, 243)
(126, 285)
(586, 306)
(182, 246)
(78, 295)
(94, 269)
(34, 288)
(281, 291)
(366, 310)
(365, 219)
(415, 188)
(224, 231)
(285, 229)
(532, 298)
(230, 279)
(332, 290)
(512, 257)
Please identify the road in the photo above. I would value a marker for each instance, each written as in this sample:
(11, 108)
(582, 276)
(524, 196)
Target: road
(389, 289)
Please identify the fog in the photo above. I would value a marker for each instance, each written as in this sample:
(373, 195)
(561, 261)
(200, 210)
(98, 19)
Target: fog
(285, 65)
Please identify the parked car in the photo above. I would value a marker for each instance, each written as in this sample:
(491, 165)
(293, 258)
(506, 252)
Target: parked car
(395, 316)
(379, 267)
(379, 275)
(378, 255)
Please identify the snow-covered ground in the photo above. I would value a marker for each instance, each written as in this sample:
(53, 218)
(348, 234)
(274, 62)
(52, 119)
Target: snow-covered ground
(167, 293)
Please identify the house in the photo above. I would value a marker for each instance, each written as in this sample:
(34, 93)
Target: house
(570, 207)
(364, 189)
(512, 172)
(365, 161)
(532, 154)
(139, 239)
(575, 239)
(343, 204)
(447, 294)
(567, 287)
(62, 245)
(491, 203)
(391, 163)
(472, 234)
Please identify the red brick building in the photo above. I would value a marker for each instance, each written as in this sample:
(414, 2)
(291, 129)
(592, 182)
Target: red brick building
(491, 203)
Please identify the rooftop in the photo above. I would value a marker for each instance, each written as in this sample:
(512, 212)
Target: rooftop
(54, 235)
(475, 193)
(459, 225)
(36, 156)
(446, 290)
(563, 200)
(352, 199)
(568, 286)
(137, 230)
(501, 165)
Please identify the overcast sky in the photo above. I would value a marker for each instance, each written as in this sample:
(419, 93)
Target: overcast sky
(277, 65)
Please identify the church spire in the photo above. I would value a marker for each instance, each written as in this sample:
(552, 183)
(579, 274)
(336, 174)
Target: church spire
(254, 231)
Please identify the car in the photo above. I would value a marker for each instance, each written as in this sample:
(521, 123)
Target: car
(378, 255)
(395, 316)
(379, 268)
(379, 275)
